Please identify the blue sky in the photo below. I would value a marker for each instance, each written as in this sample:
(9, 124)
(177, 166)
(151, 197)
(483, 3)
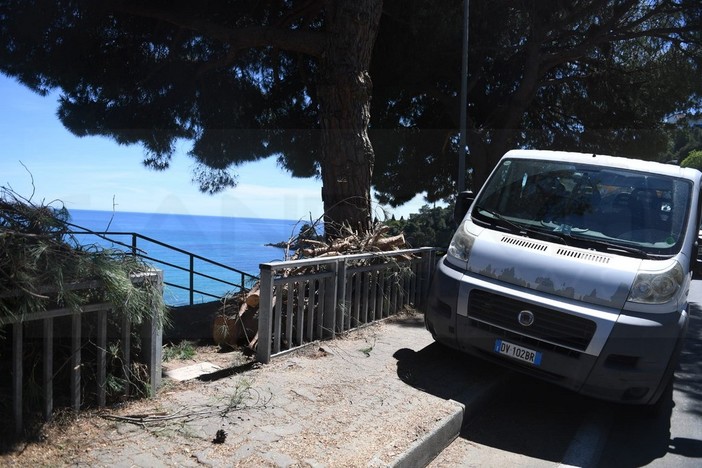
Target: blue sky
(95, 173)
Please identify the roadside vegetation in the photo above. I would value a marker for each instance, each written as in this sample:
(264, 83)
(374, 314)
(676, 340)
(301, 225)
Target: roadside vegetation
(181, 351)
(683, 140)
(47, 274)
(432, 226)
(694, 160)
(41, 264)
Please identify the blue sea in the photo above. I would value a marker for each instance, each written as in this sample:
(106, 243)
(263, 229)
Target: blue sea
(239, 243)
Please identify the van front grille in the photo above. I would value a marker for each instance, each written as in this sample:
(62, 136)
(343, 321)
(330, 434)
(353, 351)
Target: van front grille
(549, 325)
(523, 340)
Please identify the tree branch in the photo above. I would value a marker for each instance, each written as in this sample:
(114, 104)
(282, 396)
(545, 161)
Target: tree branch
(293, 40)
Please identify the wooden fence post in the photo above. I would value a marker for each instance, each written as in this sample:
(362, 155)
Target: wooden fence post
(265, 314)
(75, 370)
(48, 367)
(342, 307)
(330, 301)
(101, 365)
(428, 265)
(152, 337)
(17, 374)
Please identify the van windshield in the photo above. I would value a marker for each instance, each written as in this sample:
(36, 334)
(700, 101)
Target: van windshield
(586, 203)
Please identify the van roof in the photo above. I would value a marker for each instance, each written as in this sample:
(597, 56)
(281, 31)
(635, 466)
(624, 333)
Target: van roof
(605, 160)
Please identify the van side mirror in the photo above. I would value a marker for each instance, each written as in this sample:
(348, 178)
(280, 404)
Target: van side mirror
(463, 202)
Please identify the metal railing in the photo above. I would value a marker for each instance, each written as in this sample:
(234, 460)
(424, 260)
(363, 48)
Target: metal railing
(216, 274)
(302, 301)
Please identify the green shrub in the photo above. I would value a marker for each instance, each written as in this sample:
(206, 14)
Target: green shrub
(693, 160)
(180, 351)
(431, 227)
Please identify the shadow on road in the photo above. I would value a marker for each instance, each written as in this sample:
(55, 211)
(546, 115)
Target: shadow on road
(636, 439)
(444, 372)
(688, 377)
(539, 420)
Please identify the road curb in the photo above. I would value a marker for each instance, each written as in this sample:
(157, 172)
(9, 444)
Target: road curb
(425, 449)
(428, 447)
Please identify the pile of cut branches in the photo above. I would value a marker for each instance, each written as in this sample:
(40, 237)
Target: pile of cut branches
(353, 242)
(41, 264)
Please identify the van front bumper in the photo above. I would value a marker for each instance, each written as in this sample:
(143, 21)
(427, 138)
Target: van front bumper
(630, 357)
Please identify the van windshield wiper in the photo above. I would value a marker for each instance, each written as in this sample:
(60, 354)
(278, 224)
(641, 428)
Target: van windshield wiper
(520, 228)
(609, 246)
(501, 220)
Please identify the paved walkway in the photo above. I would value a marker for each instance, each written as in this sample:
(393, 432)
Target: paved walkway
(386, 395)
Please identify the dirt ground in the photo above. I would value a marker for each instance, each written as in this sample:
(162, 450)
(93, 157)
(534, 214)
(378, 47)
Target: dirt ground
(69, 433)
(335, 403)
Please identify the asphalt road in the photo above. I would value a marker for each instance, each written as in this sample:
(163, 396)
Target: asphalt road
(535, 424)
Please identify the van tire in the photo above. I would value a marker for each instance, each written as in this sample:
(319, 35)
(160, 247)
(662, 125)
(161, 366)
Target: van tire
(663, 406)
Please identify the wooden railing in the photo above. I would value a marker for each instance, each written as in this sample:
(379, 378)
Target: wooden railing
(151, 349)
(302, 301)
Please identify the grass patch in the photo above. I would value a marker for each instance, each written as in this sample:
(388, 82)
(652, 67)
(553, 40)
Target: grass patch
(180, 351)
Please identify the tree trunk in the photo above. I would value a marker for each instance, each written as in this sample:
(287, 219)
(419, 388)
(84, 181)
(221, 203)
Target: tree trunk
(344, 93)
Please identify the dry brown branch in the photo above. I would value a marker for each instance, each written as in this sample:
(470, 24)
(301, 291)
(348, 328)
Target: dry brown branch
(253, 297)
(389, 243)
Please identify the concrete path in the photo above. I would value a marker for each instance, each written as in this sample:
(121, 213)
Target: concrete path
(386, 395)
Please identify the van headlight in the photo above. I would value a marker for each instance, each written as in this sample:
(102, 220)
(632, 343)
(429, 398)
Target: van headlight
(657, 287)
(461, 243)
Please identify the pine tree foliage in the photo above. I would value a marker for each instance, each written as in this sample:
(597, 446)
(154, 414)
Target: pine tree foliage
(238, 80)
(362, 92)
(42, 266)
(592, 76)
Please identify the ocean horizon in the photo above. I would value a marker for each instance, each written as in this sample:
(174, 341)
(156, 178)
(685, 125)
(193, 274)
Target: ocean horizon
(239, 243)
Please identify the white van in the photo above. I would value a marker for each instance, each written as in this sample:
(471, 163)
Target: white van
(574, 268)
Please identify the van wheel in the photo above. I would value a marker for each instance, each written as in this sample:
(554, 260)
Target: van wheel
(664, 405)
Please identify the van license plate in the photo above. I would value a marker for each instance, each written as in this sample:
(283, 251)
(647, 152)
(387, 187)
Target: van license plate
(518, 352)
